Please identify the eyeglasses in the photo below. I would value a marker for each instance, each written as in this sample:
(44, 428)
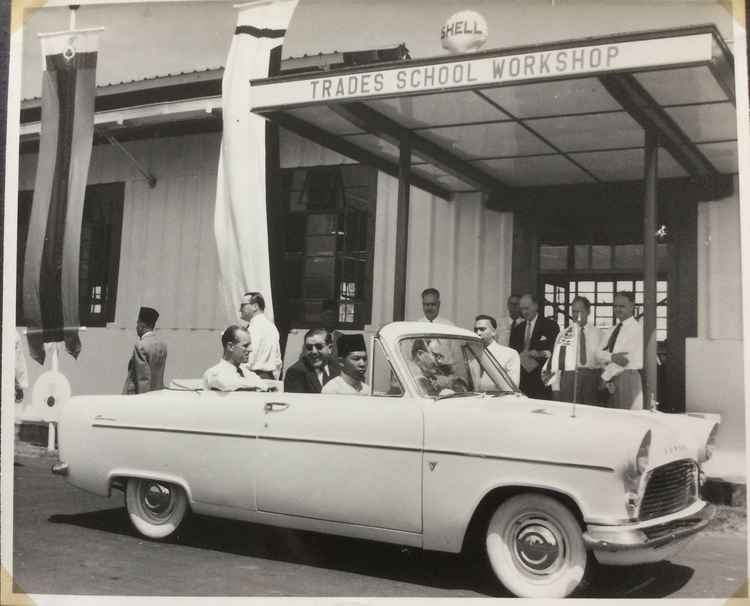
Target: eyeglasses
(318, 346)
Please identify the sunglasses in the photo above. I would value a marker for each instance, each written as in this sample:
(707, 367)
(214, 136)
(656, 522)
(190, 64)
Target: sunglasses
(318, 346)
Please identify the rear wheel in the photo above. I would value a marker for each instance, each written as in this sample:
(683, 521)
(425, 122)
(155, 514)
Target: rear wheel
(156, 508)
(535, 547)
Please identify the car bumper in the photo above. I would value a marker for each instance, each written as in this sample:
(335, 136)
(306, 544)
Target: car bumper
(650, 541)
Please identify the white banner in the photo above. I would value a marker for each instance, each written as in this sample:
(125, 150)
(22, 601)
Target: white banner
(537, 65)
(240, 224)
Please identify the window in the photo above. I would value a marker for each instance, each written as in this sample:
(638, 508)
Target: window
(329, 223)
(384, 380)
(99, 261)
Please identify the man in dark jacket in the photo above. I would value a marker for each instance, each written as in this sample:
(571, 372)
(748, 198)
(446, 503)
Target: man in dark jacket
(533, 339)
(146, 366)
(314, 369)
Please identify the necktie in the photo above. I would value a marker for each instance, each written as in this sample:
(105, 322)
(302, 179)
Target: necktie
(239, 371)
(527, 338)
(613, 338)
(582, 347)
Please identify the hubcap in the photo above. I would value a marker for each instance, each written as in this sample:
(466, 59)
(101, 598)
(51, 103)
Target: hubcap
(538, 546)
(157, 500)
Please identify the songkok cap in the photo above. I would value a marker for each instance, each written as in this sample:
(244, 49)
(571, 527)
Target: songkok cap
(346, 344)
(148, 315)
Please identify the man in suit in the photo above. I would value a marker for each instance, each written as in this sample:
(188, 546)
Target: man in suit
(146, 366)
(533, 339)
(315, 368)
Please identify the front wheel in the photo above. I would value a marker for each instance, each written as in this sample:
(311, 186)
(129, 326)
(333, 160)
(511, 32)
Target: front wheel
(156, 508)
(535, 547)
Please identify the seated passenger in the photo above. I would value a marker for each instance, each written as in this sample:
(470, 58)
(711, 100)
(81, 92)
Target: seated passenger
(353, 364)
(315, 368)
(433, 369)
(232, 372)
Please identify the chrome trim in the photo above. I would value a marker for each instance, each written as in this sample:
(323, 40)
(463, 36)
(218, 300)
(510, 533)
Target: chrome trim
(339, 443)
(60, 469)
(521, 460)
(698, 522)
(227, 434)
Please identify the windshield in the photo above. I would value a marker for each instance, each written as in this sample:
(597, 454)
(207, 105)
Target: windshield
(449, 366)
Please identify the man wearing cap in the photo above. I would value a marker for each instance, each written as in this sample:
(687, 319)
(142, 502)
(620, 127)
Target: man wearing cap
(314, 368)
(265, 359)
(232, 372)
(353, 364)
(146, 366)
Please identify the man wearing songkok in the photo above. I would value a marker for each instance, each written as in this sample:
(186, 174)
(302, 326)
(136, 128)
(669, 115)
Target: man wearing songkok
(265, 359)
(232, 372)
(353, 364)
(431, 307)
(315, 368)
(486, 329)
(576, 379)
(146, 366)
(622, 354)
(533, 339)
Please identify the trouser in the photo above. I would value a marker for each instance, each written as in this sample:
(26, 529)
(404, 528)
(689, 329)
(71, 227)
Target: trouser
(586, 386)
(264, 374)
(628, 391)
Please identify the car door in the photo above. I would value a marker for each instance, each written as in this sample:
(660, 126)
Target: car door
(350, 459)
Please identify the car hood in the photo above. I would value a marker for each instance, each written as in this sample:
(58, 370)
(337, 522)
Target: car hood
(515, 426)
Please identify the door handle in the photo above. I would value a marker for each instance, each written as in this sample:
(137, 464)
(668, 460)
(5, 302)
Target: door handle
(275, 406)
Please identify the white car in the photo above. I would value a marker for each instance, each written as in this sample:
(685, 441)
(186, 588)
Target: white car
(444, 454)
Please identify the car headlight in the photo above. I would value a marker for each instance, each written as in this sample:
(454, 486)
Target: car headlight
(642, 456)
(710, 447)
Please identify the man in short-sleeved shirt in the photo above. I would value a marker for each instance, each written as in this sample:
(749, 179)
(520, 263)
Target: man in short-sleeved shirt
(232, 373)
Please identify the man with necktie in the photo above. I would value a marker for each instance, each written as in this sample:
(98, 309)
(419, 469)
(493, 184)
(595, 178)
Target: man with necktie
(579, 378)
(533, 339)
(315, 367)
(623, 356)
(431, 307)
(232, 372)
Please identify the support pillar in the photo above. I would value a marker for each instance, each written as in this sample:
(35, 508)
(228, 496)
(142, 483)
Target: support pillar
(651, 177)
(402, 226)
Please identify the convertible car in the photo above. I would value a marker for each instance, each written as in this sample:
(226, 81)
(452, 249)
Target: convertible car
(444, 454)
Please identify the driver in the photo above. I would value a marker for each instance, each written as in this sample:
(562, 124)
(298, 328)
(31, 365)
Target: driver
(433, 369)
(232, 372)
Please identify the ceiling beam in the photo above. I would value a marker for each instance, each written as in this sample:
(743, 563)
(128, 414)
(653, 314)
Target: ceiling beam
(629, 93)
(371, 121)
(346, 148)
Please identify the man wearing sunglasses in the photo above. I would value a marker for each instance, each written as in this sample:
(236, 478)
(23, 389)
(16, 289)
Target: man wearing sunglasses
(314, 369)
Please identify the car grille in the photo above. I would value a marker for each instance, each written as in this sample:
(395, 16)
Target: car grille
(670, 488)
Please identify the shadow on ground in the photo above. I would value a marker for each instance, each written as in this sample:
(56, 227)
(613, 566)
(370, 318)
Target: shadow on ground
(426, 568)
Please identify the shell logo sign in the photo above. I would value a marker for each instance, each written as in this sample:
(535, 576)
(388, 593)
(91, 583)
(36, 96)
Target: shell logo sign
(464, 32)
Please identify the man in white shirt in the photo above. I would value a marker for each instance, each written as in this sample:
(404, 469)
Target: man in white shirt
(431, 307)
(265, 360)
(578, 378)
(232, 372)
(622, 353)
(353, 363)
(506, 324)
(486, 329)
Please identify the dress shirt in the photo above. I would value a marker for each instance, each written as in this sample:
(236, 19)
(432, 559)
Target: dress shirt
(266, 353)
(340, 386)
(629, 341)
(528, 333)
(593, 337)
(437, 320)
(224, 377)
(322, 373)
(508, 358)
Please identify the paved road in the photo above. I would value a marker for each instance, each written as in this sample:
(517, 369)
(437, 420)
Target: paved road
(67, 541)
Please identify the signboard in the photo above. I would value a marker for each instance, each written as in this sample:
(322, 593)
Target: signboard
(464, 32)
(485, 71)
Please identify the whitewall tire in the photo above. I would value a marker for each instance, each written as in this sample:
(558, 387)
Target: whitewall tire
(156, 508)
(535, 547)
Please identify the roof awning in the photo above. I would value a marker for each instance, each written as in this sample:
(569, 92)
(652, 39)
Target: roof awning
(571, 112)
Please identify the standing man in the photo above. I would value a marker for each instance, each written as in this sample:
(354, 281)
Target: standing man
(146, 366)
(486, 329)
(353, 363)
(232, 372)
(506, 324)
(623, 355)
(265, 359)
(583, 388)
(431, 307)
(329, 318)
(314, 369)
(533, 339)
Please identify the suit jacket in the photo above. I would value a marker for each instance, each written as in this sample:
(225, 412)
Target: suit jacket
(300, 378)
(542, 339)
(146, 366)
